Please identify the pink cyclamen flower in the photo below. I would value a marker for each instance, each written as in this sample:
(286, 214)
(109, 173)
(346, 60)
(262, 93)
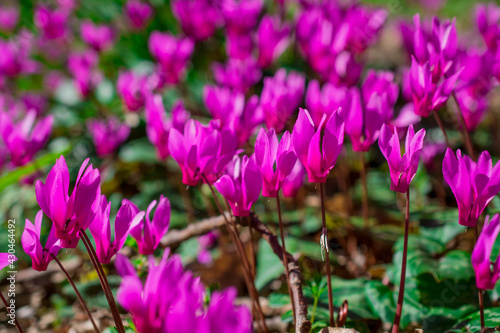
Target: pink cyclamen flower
(138, 13)
(198, 18)
(402, 168)
(31, 242)
(83, 67)
(272, 39)
(172, 300)
(239, 75)
(276, 160)
(317, 148)
(158, 125)
(172, 55)
(100, 229)
(9, 16)
(205, 242)
(202, 152)
(241, 185)
(487, 17)
(16, 53)
(25, 137)
(53, 23)
(364, 26)
(6, 259)
(369, 109)
(241, 17)
(239, 117)
(487, 273)
(323, 101)
(70, 214)
(100, 37)
(473, 184)
(133, 88)
(429, 96)
(239, 46)
(294, 181)
(280, 97)
(438, 47)
(108, 134)
(148, 233)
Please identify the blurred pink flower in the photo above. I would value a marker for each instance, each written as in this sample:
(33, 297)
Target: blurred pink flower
(108, 134)
(83, 67)
(53, 23)
(100, 37)
(239, 75)
(272, 39)
(138, 13)
(158, 125)
(171, 53)
(9, 17)
(198, 18)
(281, 96)
(25, 137)
(133, 88)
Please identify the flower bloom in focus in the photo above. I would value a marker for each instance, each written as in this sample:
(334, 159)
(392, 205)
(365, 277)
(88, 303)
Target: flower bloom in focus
(402, 168)
(317, 148)
(473, 184)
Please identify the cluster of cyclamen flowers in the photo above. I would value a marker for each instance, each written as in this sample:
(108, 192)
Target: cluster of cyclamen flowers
(331, 38)
(87, 209)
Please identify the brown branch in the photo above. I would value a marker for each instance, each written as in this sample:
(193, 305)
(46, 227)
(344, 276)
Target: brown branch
(302, 324)
(173, 237)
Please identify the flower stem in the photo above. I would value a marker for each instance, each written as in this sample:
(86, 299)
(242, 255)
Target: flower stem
(365, 191)
(104, 282)
(80, 298)
(480, 292)
(468, 141)
(285, 259)
(440, 124)
(253, 264)
(399, 308)
(247, 274)
(324, 235)
(4, 301)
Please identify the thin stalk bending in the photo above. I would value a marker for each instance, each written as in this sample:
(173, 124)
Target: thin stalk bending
(104, 282)
(399, 308)
(285, 259)
(4, 301)
(78, 295)
(324, 240)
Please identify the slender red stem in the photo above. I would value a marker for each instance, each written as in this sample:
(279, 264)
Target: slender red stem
(480, 292)
(399, 308)
(365, 191)
(80, 298)
(104, 282)
(285, 259)
(324, 235)
(440, 124)
(4, 301)
(468, 141)
(249, 279)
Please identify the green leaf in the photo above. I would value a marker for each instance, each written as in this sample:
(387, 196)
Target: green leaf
(472, 323)
(381, 300)
(277, 300)
(269, 266)
(140, 150)
(15, 175)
